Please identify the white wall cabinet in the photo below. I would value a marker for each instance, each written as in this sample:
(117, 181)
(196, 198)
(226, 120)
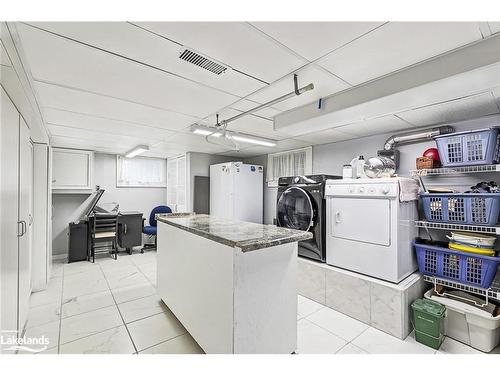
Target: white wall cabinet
(72, 170)
(15, 213)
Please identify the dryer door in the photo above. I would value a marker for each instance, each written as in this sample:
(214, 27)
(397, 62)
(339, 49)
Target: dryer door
(295, 209)
(360, 220)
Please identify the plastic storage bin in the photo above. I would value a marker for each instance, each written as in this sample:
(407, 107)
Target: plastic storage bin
(469, 324)
(473, 147)
(428, 321)
(462, 208)
(472, 269)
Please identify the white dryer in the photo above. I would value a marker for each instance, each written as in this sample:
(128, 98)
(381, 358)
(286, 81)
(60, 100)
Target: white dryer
(369, 230)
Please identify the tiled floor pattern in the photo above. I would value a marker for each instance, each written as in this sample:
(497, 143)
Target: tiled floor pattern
(112, 307)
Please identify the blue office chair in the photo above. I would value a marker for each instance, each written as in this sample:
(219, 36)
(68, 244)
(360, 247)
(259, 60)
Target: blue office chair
(150, 230)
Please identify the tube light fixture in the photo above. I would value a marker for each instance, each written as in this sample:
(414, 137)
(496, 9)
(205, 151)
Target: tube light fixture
(238, 137)
(137, 151)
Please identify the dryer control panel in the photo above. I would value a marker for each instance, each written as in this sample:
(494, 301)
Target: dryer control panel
(362, 190)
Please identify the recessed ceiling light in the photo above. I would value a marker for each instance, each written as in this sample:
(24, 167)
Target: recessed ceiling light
(136, 151)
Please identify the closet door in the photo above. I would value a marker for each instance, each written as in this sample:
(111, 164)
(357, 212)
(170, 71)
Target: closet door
(25, 218)
(9, 151)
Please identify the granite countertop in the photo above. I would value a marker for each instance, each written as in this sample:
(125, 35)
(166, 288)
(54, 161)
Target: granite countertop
(239, 234)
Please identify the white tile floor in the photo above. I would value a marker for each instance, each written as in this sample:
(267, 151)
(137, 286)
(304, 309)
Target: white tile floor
(112, 307)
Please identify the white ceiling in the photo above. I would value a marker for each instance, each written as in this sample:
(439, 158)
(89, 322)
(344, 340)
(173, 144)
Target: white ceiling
(110, 86)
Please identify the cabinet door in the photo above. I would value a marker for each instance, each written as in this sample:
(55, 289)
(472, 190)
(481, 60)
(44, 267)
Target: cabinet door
(71, 169)
(9, 151)
(25, 215)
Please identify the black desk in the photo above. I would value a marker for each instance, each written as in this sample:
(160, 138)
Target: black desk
(130, 225)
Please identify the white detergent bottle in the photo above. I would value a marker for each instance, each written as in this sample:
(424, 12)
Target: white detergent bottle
(358, 164)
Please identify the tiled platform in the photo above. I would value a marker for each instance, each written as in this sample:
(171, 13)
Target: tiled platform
(111, 307)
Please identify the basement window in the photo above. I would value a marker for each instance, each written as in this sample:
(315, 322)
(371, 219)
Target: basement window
(141, 172)
(289, 163)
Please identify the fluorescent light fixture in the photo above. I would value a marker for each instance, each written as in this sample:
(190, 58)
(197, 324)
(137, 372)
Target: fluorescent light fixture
(238, 137)
(205, 131)
(253, 140)
(137, 151)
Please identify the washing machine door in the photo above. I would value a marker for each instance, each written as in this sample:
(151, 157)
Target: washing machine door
(295, 209)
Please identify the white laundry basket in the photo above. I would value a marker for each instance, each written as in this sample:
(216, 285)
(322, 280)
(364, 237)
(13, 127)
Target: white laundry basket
(469, 324)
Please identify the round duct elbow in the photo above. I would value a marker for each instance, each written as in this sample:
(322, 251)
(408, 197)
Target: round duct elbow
(413, 137)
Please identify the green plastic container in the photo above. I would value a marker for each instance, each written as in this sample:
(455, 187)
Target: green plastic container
(428, 321)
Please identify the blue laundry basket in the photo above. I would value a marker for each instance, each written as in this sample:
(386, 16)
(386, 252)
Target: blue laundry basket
(473, 147)
(466, 268)
(462, 208)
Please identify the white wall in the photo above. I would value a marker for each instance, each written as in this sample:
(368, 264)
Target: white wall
(329, 159)
(130, 199)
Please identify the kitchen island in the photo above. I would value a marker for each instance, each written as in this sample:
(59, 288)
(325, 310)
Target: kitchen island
(232, 284)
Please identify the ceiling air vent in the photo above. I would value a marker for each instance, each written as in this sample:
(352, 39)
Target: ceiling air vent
(202, 62)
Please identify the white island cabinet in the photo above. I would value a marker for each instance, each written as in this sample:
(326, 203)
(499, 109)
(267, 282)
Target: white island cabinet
(232, 284)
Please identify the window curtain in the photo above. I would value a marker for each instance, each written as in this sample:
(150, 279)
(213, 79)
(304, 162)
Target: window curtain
(144, 172)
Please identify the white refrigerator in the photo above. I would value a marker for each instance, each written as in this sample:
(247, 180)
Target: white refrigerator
(236, 191)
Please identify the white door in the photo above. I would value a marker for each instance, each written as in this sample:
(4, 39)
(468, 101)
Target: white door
(9, 135)
(360, 220)
(25, 215)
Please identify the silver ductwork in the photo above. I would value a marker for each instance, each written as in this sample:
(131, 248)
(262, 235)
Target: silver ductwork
(418, 136)
(392, 142)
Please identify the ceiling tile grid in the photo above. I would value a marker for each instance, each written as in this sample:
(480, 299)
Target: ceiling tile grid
(57, 97)
(244, 47)
(103, 125)
(60, 61)
(315, 39)
(97, 97)
(378, 125)
(396, 45)
(135, 43)
(451, 111)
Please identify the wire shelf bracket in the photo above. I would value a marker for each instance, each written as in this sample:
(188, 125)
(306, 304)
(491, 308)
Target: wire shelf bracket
(492, 292)
(459, 227)
(455, 170)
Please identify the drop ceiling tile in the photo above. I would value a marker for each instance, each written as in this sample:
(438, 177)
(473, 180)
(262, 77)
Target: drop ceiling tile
(451, 111)
(324, 84)
(195, 142)
(374, 126)
(90, 136)
(236, 44)
(57, 97)
(58, 60)
(325, 136)
(397, 45)
(133, 42)
(245, 105)
(314, 39)
(85, 144)
(494, 27)
(103, 125)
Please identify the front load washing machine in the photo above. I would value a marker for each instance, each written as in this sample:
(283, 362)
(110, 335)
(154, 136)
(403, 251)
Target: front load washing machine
(301, 205)
(369, 229)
